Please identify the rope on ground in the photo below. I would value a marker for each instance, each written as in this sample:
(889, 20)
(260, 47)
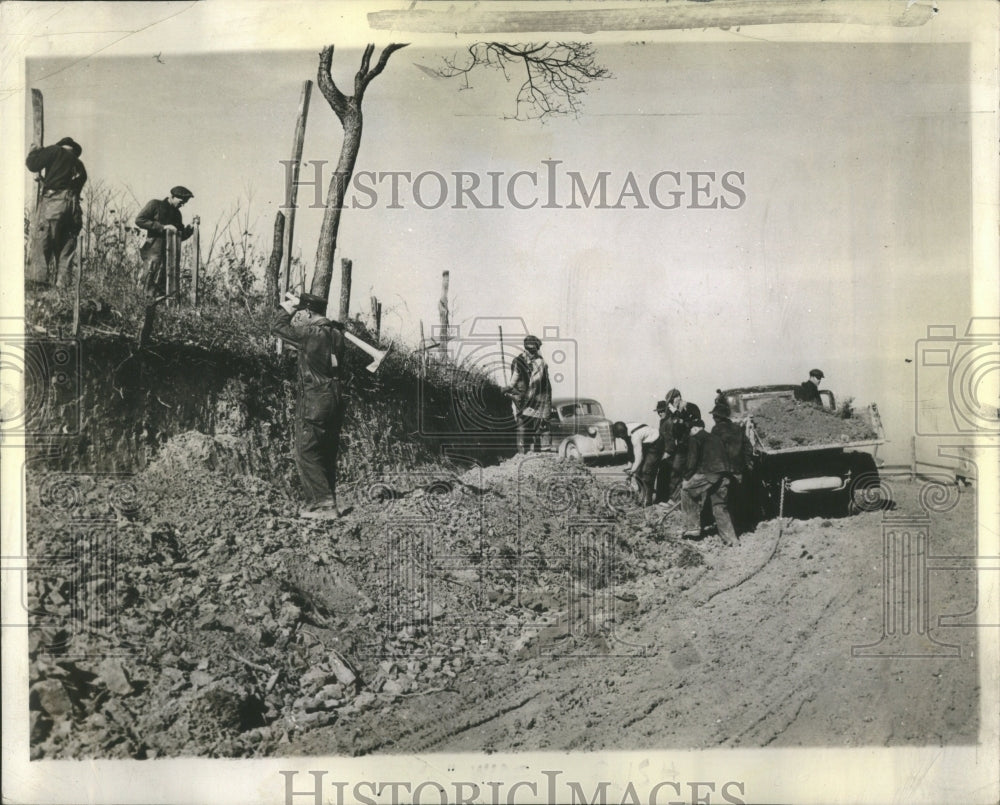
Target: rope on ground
(777, 540)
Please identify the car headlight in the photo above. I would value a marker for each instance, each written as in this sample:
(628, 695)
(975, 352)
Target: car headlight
(592, 432)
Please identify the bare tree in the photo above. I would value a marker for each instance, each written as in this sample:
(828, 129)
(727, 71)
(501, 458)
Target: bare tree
(348, 110)
(555, 74)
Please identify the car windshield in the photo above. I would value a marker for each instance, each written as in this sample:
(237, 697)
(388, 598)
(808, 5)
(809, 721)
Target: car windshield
(586, 408)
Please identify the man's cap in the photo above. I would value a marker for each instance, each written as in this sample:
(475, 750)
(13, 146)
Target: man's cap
(181, 192)
(661, 406)
(816, 373)
(317, 304)
(697, 423)
(721, 409)
(77, 149)
(620, 430)
(672, 394)
(532, 339)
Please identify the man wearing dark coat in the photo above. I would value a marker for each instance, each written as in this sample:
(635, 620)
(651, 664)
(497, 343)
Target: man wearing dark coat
(159, 217)
(58, 219)
(809, 390)
(319, 413)
(734, 440)
(706, 477)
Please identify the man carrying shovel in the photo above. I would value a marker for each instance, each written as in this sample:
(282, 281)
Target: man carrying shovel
(320, 410)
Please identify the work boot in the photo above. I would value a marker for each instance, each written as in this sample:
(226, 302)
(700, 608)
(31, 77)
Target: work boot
(324, 510)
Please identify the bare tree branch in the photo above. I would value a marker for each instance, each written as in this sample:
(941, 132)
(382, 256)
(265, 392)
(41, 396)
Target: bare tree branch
(324, 79)
(555, 74)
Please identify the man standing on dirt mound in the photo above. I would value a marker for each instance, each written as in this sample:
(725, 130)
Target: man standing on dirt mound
(531, 393)
(320, 410)
(159, 217)
(58, 218)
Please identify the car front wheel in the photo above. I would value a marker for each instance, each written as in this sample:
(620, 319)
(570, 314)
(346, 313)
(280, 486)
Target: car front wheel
(571, 451)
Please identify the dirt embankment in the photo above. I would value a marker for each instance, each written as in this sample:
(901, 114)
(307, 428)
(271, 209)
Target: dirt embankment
(529, 605)
(782, 423)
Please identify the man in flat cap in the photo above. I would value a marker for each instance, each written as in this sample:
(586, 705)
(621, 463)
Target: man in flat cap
(58, 219)
(735, 441)
(531, 393)
(159, 217)
(809, 390)
(301, 320)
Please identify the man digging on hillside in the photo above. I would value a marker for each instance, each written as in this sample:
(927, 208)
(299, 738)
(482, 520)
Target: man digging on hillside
(58, 218)
(531, 393)
(159, 217)
(320, 409)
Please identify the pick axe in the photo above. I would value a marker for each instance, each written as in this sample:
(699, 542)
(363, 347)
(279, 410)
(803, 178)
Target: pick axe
(364, 346)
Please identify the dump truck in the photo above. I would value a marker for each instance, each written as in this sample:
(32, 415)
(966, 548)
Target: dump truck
(804, 456)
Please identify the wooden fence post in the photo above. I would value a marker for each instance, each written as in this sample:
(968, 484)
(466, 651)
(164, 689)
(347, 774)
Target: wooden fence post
(292, 190)
(377, 318)
(443, 310)
(196, 271)
(168, 268)
(345, 288)
(272, 290)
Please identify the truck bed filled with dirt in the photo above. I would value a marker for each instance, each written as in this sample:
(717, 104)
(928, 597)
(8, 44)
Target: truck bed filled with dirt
(785, 422)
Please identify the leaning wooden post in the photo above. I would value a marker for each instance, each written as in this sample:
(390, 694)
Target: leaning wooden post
(292, 185)
(443, 311)
(377, 318)
(272, 288)
(196, 270)
(345, 288)
(37, 134)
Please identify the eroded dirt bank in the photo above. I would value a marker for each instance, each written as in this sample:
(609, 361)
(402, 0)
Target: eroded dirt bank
(529, 605)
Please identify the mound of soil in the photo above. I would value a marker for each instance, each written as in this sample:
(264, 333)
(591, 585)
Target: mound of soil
(786, 422)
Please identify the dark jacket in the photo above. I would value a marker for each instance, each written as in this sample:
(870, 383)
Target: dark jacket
(732, 438)
(157, 214)
(706, 454)
(320, 350)
(808, 392)
(63, 169)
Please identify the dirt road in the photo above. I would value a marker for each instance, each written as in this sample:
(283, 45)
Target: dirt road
(519, 607)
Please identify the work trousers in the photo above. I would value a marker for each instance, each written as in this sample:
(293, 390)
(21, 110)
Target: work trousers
(318, 421)
(154, 260)
(664, 479)
(53, 238)
(646, 474)
(529, 433)
(715, 488)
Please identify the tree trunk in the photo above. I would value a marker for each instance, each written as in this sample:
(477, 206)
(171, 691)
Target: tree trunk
(323, 269)
(272, 290)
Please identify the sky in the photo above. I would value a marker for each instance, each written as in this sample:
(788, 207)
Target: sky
(848, 235)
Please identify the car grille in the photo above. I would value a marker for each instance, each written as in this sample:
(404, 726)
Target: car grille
(604, 436)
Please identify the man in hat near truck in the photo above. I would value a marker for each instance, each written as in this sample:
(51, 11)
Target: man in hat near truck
(531, 393)
(319, 414)
(159, 217)
(809, 390)
(58, 218)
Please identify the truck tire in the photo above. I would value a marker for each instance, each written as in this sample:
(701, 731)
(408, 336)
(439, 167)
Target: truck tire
(866, 492)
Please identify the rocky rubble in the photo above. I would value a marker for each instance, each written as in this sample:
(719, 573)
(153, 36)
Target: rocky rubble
(188, 611)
